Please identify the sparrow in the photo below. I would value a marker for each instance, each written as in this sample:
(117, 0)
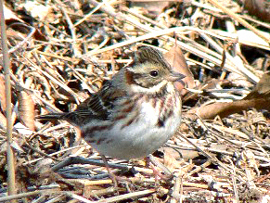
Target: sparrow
(135, 112)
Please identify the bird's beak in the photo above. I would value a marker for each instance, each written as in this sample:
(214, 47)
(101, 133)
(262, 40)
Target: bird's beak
(176, 77)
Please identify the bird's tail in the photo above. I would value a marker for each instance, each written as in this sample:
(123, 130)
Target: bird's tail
(71, 117)
(52, 116)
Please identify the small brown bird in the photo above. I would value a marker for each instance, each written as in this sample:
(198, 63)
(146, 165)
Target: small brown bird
(134, 113)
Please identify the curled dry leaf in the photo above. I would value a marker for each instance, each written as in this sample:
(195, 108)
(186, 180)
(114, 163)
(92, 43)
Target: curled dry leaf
(262, 89)
(173, 157)
(170, 158)
(227, 108)
(26, 109)
(153, 6)
(11, 16)
(258, 8)
(13, 20)
(3, 121)
(176, 59)
(2, 94)
(258, 98)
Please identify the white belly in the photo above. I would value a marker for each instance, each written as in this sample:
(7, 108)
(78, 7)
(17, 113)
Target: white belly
(139, 139)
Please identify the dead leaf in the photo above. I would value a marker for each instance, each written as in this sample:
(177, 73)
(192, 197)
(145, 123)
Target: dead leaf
(176, 59)
(258, 8)
(258, 98)
(12, 20)
(2, 94)
(10, 16)
(26, 109)
(262, 89)
(3, 121)
(156, 7)
(225, 109)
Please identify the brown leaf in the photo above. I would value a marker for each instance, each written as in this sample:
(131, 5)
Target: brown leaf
(3, 121)
(156, 7)
(258, 98)
(26, 110)
(10, 16)
(262, 89)
(2, 93)
(258, 8)
(13, 20)
(227, 108)
(176, 59)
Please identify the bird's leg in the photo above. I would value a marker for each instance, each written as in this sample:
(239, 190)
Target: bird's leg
(112, 176)
(154, 163)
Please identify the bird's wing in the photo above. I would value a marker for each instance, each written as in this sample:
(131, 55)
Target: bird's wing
(98, 106)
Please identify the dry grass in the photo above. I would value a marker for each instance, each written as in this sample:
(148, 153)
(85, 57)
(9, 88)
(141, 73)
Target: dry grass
(66, 52)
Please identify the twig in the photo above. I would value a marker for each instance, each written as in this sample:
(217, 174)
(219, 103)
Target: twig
(90, 14)
(162, 33)
(6, 63)
(26, 194)
(80, 198)
(239, 19)
(19, 45)
(72, 30)
(127, 196)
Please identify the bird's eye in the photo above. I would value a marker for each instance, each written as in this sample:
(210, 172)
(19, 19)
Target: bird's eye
(154, 73)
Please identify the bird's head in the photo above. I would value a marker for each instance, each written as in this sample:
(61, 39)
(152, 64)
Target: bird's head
(149, 72)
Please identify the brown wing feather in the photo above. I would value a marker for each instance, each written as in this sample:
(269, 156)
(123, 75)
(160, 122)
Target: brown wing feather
(98, 106)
